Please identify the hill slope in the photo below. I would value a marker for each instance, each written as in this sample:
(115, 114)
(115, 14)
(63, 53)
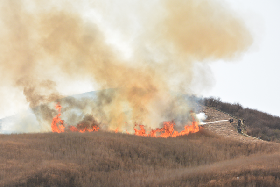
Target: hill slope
(215, 156)
(225, 129)
(259, 124)
(109, 159)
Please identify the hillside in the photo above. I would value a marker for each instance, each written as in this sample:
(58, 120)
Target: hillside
(217, 155)
(109, 159)
(115, 159)
(225, 129)
(259, 124)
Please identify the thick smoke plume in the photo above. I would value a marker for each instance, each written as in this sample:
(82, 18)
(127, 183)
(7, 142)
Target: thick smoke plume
(43, 43)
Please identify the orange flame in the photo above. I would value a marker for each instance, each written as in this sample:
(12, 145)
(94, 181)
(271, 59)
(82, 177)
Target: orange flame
(141, 132)
(82, 130)
(56, 127)
(58, 124)
(167, 130)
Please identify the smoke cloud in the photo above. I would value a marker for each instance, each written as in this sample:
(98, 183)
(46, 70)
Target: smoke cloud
(42, 43)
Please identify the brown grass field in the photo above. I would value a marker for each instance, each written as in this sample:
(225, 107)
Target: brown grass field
(109, 159)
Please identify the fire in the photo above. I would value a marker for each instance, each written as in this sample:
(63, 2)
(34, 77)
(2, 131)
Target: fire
(141, 132)
(57, 124)
(167, 130)
(81, 129)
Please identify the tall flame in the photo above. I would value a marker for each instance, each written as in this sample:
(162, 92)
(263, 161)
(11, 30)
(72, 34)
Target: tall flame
(57, 123)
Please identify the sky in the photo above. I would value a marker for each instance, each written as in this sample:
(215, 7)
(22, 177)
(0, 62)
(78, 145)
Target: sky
(250, 79)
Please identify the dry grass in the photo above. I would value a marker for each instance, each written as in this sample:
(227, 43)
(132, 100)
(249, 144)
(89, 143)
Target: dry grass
(259, 124)
(109, 159)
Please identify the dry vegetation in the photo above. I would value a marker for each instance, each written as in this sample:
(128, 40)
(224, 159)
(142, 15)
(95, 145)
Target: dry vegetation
(259, 124)
(109, 159)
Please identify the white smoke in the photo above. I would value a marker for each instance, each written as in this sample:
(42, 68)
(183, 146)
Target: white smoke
(24, 122)
(201, 117)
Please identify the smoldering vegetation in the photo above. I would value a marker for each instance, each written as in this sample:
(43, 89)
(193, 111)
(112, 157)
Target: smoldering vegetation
(115, 159)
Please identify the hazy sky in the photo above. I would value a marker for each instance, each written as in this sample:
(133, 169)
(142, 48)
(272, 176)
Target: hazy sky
(253, 79)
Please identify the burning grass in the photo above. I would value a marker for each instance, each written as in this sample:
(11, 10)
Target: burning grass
(89, 125)
(167, 130)
(115, 159)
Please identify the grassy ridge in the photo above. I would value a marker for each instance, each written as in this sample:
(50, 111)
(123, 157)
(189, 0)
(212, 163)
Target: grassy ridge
(109, 159)
(260, 124)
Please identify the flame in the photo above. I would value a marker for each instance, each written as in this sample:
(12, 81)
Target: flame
(167, 130)
(56, 127)
(141, 132)
(58, 124)
(73, 129)
(81, 129)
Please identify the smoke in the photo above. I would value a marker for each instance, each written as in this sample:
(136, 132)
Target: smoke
(44, 43)
(201, 117)
(88, 122)
(203, 30)
(38, 92)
